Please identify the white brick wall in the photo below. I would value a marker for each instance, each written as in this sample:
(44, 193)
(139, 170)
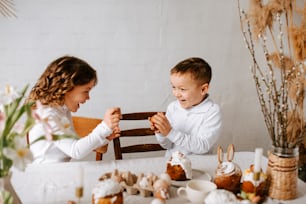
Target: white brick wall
(133, 44)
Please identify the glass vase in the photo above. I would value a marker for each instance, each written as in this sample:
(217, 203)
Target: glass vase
(282, 172)
(6, 185)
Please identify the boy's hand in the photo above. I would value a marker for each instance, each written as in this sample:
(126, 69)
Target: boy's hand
(160, 124)
(152, 126)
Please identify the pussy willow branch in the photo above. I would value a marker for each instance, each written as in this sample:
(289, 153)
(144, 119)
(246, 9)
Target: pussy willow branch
(277, 98)
(273, 95)
(256, 68)
(7, 8)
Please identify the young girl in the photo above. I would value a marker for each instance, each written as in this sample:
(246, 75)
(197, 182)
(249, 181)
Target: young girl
(64, 85)
(192, 123)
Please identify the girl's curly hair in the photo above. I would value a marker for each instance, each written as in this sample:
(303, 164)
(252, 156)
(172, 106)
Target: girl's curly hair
(60, 77)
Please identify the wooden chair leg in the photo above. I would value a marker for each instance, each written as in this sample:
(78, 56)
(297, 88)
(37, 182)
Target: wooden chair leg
(117, 149)
(99, 156)
(100, 151)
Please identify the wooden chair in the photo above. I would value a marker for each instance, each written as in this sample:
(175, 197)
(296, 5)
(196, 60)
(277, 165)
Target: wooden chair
(135, 132)
(83, 126)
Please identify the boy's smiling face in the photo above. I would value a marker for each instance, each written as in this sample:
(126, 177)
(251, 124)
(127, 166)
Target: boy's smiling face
(188, 91)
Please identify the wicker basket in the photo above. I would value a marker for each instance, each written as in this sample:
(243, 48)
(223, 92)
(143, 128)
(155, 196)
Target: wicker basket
(282, 174)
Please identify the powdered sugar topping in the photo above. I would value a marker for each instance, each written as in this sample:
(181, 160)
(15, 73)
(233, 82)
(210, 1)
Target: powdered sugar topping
(105, 188)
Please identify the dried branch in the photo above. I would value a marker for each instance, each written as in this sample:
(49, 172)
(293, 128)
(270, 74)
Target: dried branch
(7, 8)
(280, 81)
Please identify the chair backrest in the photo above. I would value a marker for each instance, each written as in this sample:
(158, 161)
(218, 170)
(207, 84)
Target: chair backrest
(83, 126)
(135, 132)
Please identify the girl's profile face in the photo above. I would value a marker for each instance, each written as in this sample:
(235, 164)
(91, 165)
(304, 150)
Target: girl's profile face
(78, 95)
(187, 90)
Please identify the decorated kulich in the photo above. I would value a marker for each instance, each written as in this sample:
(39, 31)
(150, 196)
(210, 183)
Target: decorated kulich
(254, 185)
(107, 191)
(228, 174)
(179, 167)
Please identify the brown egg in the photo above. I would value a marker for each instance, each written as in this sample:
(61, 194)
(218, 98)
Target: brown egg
(161, 189)
(161, 194)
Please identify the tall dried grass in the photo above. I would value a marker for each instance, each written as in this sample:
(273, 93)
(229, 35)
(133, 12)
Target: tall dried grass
(7, 8)
(276, 29)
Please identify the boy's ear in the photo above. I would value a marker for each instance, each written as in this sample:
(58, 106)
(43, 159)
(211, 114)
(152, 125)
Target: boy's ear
(205, 88)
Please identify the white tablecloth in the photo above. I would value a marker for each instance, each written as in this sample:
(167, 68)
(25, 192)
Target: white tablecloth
(55, 183)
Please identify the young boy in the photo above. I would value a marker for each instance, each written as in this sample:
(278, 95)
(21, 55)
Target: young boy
(192, 123)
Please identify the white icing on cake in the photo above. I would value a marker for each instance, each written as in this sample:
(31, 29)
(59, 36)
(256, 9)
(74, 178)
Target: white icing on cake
(105, 188)
(226, 168)
(248, 175)
(221, 196)
(178, 158)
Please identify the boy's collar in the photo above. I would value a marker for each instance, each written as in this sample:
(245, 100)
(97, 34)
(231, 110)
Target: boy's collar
(201, 107)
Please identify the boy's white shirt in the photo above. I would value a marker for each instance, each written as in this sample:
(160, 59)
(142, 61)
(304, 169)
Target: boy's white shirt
(194, 130)
(45, 151)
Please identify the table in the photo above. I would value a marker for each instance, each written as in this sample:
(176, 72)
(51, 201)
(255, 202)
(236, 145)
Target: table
(55, 183)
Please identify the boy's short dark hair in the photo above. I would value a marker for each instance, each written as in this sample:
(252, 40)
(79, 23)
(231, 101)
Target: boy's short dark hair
(196, 66)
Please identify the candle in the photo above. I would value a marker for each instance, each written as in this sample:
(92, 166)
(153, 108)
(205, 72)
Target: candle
(257, 162)
(80, 176)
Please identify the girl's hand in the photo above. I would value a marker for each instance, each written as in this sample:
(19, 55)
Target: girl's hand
(115, 134)
(112, 118)
(161, 124)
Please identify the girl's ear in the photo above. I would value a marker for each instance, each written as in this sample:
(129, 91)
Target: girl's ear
(204, 88)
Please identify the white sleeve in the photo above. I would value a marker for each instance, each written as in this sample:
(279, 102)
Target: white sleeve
(163, 141)
(73, 148)
(78, 149)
